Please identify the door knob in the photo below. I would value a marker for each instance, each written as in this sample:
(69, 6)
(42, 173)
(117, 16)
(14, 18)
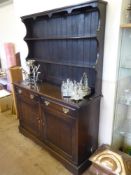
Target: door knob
(65, 110)
(19, 91)
(32, 96)
(47, 103)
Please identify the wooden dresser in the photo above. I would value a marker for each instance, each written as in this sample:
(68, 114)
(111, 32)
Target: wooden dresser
(66, 42)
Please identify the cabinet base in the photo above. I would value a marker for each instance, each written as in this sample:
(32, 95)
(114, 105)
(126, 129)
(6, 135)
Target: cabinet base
(76, 170)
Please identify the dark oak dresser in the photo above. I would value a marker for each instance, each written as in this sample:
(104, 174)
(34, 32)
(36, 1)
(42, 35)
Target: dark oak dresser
(65, 42)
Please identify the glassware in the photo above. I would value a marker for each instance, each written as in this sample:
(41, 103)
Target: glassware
(127, 144)
(126, 97)
(125, 130)
(33, 72)
(75, 90)
(85, 80)
(128, 13)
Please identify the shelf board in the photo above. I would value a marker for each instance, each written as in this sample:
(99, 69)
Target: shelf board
(92, 66)
(125, 67)
(128, 25)
(62, 38)
(120, 103)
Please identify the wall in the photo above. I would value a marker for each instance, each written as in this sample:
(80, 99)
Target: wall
(25, 7)
(110, 70)
(7, 28)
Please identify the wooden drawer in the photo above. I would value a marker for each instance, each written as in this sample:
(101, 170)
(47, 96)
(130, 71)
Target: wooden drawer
(52, 105)
(26, 93)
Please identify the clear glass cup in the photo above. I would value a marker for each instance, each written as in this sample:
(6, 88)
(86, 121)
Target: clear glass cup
(126, 97)
(128, 13)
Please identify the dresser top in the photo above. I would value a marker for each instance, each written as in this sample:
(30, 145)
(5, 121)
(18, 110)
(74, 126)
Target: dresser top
(53, 92)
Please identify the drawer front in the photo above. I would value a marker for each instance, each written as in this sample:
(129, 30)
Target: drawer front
(26, 93)
(51, 105)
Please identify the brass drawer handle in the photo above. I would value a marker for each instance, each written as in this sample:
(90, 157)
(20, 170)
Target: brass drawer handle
(19, 91)
(47, 103)
(32, 96)
(65, 110)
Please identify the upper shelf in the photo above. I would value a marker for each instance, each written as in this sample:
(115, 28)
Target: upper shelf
(61, 38)
(80, 65)
(127, 25)
(87, 6)
(67, 42)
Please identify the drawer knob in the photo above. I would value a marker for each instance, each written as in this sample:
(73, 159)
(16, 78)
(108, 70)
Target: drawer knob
(47, 103)
(19, 91)
(32, 96)
(65, 110)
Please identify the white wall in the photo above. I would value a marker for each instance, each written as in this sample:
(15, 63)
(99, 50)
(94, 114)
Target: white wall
(7, 28)
(25, 7)
(110, 68)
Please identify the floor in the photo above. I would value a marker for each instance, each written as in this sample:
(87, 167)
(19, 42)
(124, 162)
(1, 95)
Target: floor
(21, 156)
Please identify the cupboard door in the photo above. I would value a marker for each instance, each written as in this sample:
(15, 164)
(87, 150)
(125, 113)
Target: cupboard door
(60, 133)
(29, 115)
